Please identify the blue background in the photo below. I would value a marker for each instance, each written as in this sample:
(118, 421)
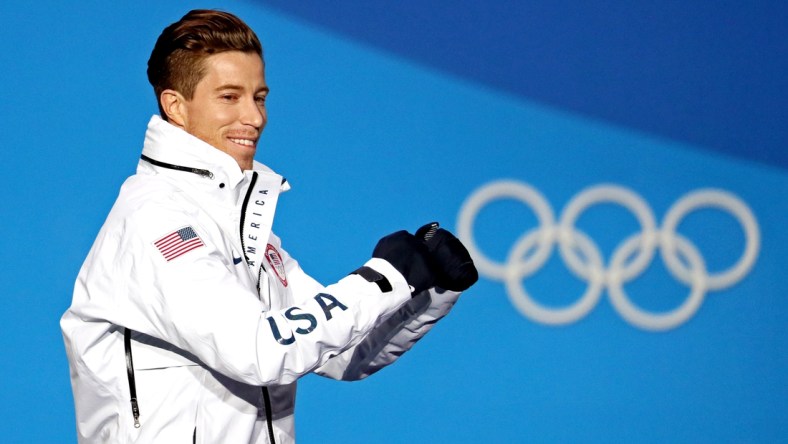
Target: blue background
(384, 116)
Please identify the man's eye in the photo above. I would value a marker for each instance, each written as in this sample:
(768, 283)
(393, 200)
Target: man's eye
(228, 97)
(260, 100)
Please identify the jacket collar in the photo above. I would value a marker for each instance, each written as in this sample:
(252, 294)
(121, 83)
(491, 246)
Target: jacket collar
(169, 144)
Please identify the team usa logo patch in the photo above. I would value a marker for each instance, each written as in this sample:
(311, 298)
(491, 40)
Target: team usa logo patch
(178, 243)
(275, 259)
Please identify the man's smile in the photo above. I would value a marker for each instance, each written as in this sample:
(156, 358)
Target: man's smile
(244, 142)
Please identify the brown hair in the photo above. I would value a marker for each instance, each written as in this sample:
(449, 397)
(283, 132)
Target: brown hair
(177, 59)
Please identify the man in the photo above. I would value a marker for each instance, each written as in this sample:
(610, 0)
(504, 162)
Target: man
(190, 322)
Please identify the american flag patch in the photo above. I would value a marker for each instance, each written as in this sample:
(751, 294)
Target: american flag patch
(179, 242)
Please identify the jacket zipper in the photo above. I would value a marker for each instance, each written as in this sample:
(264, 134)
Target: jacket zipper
(243, 218)
(197, 171)
(269, 417)
(135, 409)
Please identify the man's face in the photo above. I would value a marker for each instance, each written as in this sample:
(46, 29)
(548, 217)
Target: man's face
(228, 107)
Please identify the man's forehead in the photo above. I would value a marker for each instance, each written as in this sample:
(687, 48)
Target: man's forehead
(230, 59)
(235, 68)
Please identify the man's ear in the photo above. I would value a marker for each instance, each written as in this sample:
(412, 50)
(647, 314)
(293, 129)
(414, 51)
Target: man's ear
(174, 105)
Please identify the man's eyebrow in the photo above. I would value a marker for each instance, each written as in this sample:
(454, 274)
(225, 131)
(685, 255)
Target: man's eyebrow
(264, 89)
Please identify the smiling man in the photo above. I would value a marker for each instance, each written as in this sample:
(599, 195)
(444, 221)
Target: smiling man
(189, 322)
(227, 107)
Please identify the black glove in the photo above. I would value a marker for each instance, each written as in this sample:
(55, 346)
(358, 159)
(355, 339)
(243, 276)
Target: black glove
(410, 257)
(453, 264)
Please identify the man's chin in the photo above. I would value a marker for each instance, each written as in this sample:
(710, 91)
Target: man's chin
(245, 160)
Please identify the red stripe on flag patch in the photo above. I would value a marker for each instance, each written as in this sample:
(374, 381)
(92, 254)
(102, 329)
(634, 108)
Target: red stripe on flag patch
(178, 243)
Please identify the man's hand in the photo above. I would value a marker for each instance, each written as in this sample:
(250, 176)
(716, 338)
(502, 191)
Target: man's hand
(432, 257)
(454, 269)
(410, 257)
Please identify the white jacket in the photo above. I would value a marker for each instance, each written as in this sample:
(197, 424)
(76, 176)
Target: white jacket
(223, 321)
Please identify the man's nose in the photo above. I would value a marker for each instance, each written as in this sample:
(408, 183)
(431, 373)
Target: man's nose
(254, 114)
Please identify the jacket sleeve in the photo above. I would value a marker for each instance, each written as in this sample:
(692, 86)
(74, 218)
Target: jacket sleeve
(389, 339)
(196, 303)
(393, 337)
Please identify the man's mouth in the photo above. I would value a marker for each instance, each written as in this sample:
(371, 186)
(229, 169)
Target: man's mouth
(244, 142)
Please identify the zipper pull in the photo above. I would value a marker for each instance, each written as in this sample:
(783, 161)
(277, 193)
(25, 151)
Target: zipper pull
(135, 410)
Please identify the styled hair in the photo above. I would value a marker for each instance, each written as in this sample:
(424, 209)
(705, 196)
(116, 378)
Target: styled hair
(176, 61)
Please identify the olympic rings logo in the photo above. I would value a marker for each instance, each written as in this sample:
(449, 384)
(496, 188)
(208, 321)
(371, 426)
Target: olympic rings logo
(630, 258)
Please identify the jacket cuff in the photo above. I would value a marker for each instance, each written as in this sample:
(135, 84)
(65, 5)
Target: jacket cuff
(394, 277)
